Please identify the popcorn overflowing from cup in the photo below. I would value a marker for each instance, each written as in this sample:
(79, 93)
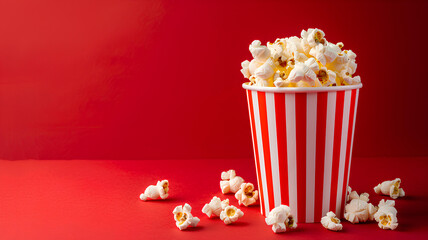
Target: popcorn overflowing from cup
(308, 61)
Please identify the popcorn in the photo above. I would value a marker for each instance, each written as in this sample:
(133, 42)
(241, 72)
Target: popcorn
(351, 194)
(246, 194)
(326, 77)
(260, 53)
(215, 206)
(391, 188)
(280, 218)
(386, 216)
(325, 53)
(359, 210)
(231, 214)
(183, 218)
(245, 69)
(305, 72)
(230, 182)
(265, 71)
(254, 64)
(154, 192)
(284, 63)
(331, 222)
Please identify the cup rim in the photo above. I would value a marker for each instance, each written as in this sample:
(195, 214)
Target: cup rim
(301, 89)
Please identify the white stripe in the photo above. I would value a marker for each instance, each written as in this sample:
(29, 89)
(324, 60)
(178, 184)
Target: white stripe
(352, 139)
(329, 138)
(260, 148)
(273, 144)
(311, 129)
(343, 145)
(291, 150)
(252, 137)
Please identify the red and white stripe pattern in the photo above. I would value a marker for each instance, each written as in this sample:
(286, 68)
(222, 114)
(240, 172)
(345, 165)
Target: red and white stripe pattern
(302, 149)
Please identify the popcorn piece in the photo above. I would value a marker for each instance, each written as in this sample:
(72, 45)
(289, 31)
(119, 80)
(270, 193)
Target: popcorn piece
(325, 53)
(266, 70)
(154, 192)
(326, 77)
(391, 188)
(386, 216)
(245, 69)
(230, 182)
(183, 218)
(213, 207)
(304, 72)
(359, 210)
(351, 194)
(280, 218)
(246, 194)
(331, 222)
(260, 53)
(230, 214)
(254, 64)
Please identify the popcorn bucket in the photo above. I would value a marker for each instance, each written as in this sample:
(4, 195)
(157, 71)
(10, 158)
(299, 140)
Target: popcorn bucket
(302, 140)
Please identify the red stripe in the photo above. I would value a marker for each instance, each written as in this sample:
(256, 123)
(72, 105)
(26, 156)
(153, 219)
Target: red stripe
(281, 133)
(340, 98)
(256, 151)
(320, 153)
(301, 155)
(266, 151)
(348, 147)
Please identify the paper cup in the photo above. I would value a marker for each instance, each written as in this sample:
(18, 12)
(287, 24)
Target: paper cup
(302, 140)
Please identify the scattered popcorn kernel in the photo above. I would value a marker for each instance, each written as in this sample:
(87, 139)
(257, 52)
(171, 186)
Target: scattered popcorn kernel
(386, 216)
(215, 206)
(246, 194)
(183, 218)
(230, 182)
(230, 214)
(331, 222)
(280, 218)
(154, 192)
(359, 210)
(391, 188)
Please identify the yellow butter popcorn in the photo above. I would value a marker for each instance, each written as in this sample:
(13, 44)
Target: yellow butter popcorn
(284, 63)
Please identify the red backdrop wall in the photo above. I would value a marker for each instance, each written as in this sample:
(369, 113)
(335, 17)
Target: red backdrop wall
(160, 79)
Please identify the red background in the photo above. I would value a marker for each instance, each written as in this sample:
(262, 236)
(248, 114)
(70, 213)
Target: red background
(160, 79)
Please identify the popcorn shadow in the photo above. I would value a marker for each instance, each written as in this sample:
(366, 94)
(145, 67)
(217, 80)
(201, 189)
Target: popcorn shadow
(239, 224)
(194, 229)
(167, 200)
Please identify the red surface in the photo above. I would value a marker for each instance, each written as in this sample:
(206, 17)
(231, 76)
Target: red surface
(89, 199)
(124, 79)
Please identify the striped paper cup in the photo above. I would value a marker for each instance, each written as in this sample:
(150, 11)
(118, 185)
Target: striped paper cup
(302, 140)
